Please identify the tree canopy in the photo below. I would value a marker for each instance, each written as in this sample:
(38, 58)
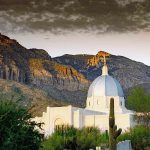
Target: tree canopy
(139, 136)
(17, 130)
(138, 100)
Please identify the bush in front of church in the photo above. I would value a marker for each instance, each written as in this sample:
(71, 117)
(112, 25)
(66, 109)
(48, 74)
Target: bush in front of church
(67, 137)
(139, 136)
(53, 142)
(17, 130)
(90, 137)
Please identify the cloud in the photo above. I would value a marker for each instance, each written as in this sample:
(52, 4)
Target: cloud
(67, 15)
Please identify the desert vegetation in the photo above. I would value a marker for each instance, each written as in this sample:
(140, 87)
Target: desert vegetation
(68, 137)
(139, 136)
(17, 130)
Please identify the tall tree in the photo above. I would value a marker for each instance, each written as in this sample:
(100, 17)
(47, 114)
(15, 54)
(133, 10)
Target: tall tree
(139, 101)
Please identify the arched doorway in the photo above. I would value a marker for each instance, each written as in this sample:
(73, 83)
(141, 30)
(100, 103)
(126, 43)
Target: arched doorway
(58, 122)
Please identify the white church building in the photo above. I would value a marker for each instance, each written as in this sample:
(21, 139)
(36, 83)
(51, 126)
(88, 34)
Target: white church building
(96, 113)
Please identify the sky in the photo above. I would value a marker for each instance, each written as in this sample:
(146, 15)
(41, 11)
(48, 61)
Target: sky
(80, 26)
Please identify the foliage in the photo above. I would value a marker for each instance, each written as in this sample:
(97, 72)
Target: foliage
(113, 132)
(139, 136)
(91, 137)
(67, 137)
(139, 101)
(54, 142)
(17, 130)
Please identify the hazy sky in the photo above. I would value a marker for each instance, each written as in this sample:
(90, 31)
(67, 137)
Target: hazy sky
(80, 26)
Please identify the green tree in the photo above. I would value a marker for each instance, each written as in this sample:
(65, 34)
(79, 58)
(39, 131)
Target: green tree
(53, 142)
(90, 137)
(139, 136)
(139, 101)
(67, 137)
(17, 130)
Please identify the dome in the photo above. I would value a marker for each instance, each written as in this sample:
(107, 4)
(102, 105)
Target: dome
(105, 85)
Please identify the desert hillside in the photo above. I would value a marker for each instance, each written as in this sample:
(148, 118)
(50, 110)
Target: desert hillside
(35, 99)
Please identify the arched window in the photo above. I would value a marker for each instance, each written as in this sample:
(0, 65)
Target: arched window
(89, 103)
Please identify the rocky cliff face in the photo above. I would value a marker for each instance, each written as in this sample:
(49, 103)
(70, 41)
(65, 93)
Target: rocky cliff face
(36, 67)
(14, 60)
(51, 73)
(12, 65)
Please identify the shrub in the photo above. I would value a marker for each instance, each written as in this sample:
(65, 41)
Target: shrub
(66, 137)
(17, 131)
(139, 136)
(54, 142)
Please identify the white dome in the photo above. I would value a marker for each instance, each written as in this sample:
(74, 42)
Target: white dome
(105, 85)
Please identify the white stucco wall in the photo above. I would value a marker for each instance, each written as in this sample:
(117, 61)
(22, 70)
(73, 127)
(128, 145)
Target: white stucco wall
(122, 121)
(52, 114)
(79, 118)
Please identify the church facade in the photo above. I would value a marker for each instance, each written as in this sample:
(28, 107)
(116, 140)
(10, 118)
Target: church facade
(96, 113)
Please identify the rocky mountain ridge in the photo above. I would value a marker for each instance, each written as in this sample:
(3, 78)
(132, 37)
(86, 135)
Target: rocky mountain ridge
(34, 65)
(130, 73)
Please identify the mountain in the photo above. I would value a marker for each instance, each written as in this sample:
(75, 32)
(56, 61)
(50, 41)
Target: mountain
(35, 67)
(28, 96)
(64, 79)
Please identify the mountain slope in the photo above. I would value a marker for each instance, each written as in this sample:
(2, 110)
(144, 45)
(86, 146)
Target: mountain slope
(27, 96)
